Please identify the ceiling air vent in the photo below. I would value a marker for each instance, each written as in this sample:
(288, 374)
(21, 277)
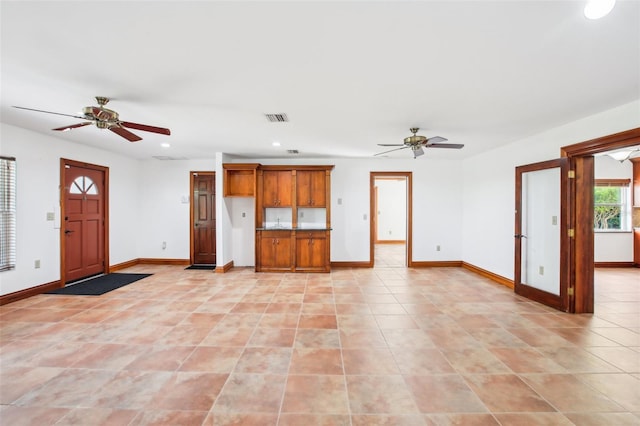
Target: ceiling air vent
(168, 158)
(293, 151)
(277, 118)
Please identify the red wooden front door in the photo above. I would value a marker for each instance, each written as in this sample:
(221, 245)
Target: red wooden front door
(204, 218)
(84, 222)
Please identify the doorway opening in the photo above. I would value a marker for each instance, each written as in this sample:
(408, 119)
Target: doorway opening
(84, 220)
(582, 206)
(203, 219)
(390, 219)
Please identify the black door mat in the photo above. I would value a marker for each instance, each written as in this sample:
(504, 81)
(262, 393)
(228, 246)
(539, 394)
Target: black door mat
(204, 267)
(99, 285)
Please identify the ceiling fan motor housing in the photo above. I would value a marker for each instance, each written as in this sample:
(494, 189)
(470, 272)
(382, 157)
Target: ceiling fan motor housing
(415, 140)
(100, 114)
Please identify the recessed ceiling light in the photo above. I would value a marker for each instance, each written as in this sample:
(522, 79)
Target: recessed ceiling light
(596, 9)
(275, 143)
(165, 145)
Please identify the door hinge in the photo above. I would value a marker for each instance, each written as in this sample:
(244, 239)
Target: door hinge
(570, 291)
(572, 174)
(571, 232)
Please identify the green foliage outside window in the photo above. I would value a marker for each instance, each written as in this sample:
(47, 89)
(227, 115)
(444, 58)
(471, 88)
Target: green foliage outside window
(607, 207)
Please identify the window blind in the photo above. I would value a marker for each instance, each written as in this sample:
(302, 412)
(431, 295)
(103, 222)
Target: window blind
(612, 182)
(7, 213)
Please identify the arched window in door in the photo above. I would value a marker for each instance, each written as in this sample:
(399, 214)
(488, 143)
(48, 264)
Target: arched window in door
(83, 185)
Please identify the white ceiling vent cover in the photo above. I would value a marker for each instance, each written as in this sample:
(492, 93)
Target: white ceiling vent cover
(293, 151)
(277, 118)
(168, 158)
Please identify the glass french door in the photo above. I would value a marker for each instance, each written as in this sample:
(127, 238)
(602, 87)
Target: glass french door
(541, 233)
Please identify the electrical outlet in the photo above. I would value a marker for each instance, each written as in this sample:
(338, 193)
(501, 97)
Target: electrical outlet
(364, 217)
(389, 232)
(244, 214)
(164, 245)
(37, 264)
(51, 216)
(541, 270)
(437, 248)
(554, 220)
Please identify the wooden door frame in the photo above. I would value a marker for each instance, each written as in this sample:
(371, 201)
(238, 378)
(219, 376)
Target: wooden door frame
(581, 212)
(105, 213)
(192, 175)
(372, 213)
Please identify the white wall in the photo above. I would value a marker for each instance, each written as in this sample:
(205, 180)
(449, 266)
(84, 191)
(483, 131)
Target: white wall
(163, 212)
(224, 241)
(437, 206)
(489, 184)
(38, 179)
(613, 246)
(392, 209)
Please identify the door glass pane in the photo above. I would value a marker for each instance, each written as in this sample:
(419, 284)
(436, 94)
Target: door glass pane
(83, 185)
(541, 230)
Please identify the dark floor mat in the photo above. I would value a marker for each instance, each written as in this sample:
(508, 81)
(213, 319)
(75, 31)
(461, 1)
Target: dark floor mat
(204, 267)
(99, 285)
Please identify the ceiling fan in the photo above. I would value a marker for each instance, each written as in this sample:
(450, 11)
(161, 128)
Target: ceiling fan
(417, 142)
(105, 118)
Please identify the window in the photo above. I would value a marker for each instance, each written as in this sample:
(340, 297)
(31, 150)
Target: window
(83, 185)
(7, 213)
(612, 210)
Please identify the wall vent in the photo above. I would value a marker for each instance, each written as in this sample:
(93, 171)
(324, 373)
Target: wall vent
(277, 118)
(293, 151)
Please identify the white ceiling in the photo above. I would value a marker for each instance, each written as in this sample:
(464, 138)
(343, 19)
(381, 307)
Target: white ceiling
(349, 75)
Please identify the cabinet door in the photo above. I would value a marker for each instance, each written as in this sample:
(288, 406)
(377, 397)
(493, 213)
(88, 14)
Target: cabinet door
(276, 188)
(275, 251)
(311, 188)
(311, 251)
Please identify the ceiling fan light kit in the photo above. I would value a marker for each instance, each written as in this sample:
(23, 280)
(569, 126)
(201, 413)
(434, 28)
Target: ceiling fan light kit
(105, 118)
(417, 143)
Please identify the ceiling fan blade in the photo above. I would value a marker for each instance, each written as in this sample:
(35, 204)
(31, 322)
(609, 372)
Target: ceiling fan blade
(73, 126)
(390, 144)
(444, 145)
(418, 152)
(391, 150)
(125, 133)
(145, 128)
(436, 139)
(50, 112)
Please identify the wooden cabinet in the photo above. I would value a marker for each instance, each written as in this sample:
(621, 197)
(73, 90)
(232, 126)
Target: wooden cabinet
(304, 244)
(312, 251)
(239, 179)
(311, 188)
(277, 188)
(274, 251)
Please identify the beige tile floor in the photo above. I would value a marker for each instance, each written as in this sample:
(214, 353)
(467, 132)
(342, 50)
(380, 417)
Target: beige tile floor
(381, 346)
